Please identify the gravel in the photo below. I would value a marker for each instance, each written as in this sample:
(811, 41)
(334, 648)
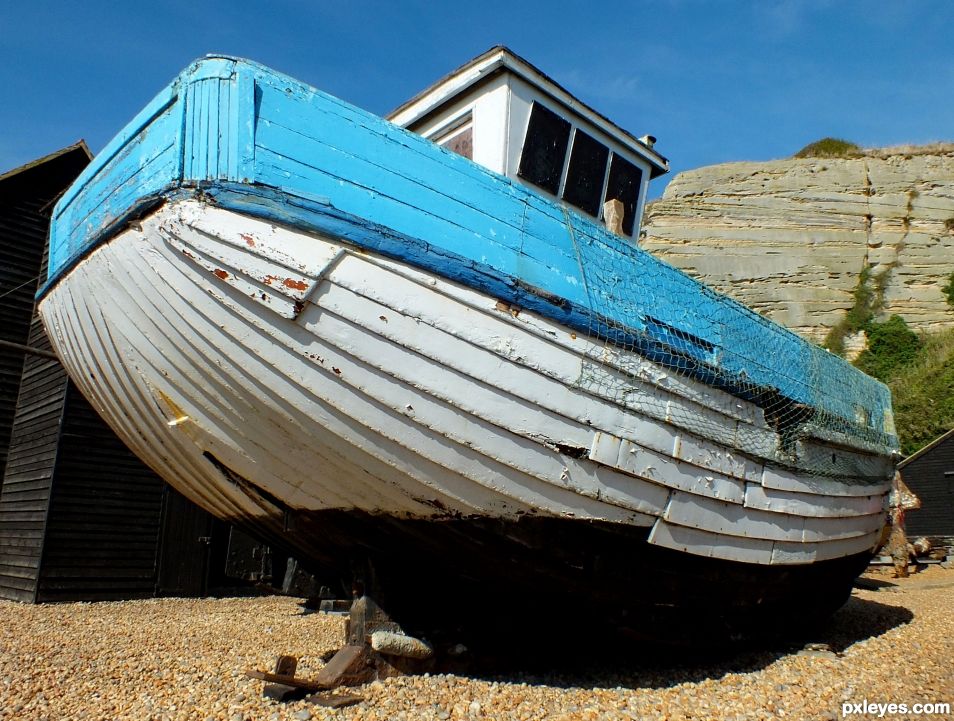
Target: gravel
(171, 659)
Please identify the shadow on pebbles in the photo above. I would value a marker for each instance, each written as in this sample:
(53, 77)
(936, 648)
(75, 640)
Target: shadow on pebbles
(185, 659)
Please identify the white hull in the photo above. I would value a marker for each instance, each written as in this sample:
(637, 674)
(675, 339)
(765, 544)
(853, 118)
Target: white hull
(335, 379)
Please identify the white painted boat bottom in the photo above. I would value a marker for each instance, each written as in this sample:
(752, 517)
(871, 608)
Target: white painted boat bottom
(330, 378)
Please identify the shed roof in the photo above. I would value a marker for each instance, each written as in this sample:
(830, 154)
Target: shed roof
(929, 447)
(79, 146)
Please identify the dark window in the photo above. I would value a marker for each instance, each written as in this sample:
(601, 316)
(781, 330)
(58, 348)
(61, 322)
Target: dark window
(623, 185)
(544, 148)
(584, 177)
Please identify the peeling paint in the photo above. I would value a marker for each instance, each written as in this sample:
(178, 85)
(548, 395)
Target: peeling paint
(295, 284)
(507, 308)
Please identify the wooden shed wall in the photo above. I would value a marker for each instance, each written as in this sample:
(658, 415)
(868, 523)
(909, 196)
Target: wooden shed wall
(931, 476)
(102, 533)
(26, 195)
(24, 500)
(79, 514)
(32, 383)
(21, 225)
(81, 518)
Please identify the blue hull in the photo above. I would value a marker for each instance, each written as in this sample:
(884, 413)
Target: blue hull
(257, 142)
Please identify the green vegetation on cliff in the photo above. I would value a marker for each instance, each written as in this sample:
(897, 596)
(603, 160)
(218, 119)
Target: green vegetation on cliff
(948, 291)
(829, 148)
(892, 345)
(920, 374)
(924, 393)
(868, 298)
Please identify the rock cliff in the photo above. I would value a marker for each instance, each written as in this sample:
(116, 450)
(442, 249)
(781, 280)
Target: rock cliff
(792, 238)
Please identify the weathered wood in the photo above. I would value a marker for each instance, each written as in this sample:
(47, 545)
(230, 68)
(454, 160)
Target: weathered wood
(930, 475)
(27, 349)
(415, 206)
(517, 460)
(613, 216)
(284, 680)
(633, 459)
(285, 667)
(351, 666)
(38, 425)
(303, 310)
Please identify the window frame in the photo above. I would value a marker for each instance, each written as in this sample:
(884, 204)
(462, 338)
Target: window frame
(598, 184)
(611, 155)
(525, 169)
(452, 129)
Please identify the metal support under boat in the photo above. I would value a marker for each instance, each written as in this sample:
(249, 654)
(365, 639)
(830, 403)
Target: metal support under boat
(376, 647)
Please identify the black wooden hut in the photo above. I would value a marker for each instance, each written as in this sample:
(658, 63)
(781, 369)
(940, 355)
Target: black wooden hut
(24, 194)
(81, 518)
(930, 474)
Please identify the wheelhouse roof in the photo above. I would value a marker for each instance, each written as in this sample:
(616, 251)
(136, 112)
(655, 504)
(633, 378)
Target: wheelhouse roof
(501, 59)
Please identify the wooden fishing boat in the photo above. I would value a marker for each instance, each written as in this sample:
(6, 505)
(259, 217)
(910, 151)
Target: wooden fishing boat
(413, 344)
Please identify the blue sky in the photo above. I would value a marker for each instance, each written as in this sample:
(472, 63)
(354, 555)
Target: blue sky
(714, 81)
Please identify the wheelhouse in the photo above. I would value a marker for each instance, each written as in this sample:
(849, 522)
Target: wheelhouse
(503, 113)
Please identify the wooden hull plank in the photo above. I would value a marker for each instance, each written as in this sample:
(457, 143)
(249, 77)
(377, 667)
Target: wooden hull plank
(366, 355)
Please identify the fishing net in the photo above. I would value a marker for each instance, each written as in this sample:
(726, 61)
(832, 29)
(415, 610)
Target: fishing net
(736, 377)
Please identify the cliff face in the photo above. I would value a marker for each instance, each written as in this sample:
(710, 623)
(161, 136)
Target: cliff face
(791, 238)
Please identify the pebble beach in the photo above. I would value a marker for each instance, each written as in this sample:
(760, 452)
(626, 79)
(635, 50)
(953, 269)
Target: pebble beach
(185, 659)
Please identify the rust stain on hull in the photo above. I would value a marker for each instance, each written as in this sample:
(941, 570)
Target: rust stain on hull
(295, 284)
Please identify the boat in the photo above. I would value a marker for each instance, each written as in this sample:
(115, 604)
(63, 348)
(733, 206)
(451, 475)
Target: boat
(431, 346)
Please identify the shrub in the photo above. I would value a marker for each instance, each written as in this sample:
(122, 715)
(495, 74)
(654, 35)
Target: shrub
(829, 148)
(923, 393)
(892, 345)
(867, 302)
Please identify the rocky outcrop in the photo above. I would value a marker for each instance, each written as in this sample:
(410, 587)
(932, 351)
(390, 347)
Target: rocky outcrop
(791, 238)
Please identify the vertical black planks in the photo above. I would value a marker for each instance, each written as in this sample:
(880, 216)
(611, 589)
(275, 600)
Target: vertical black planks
(26, 194)
(32, 387)
(102, 532)
(27, 483)
(80, 515)
(930, 474)
(183, 562)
